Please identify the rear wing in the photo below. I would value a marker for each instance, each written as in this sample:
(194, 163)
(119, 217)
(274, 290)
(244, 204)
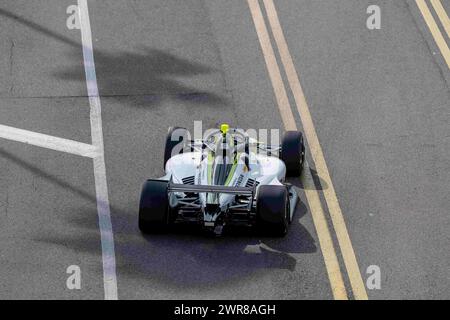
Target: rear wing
(186, 188)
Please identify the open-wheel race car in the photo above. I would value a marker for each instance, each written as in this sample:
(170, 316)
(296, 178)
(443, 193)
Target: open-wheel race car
(224, 179)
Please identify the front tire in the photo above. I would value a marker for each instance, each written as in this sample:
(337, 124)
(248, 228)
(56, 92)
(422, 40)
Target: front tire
(293, 153)
(154, 207)
(272, 210)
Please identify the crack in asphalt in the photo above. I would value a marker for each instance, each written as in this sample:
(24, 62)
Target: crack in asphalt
(5, 204)
(185, 95)
(11, 63)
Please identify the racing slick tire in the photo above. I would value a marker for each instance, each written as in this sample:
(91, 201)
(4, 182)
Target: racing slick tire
(272, 210)
(154, 207)
(175, 136)
(293, 153)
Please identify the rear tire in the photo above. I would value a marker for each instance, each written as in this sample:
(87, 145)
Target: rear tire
(272, 210)
(293, 153)
(175, 136)
(154, 207)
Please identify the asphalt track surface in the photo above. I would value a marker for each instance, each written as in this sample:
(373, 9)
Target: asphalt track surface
(379, 101)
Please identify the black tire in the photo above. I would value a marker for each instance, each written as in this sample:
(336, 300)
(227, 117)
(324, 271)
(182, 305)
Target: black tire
(175, 136)
(272, 210)
(154, 207)
(293, 153)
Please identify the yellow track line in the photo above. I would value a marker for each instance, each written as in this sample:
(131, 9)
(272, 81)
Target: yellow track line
(272, 66)
(325, 241)
(432, 25)
(320, 223)
(442, 14)
(348, 254)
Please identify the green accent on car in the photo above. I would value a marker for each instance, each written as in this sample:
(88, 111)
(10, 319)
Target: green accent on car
(233, 169)
(209, 171)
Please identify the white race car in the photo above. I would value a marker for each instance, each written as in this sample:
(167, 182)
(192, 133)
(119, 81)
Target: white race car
(225, 179)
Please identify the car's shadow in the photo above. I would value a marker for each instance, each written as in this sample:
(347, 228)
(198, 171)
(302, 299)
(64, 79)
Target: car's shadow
(188, 257)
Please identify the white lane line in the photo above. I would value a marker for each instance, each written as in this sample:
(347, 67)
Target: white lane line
(49, 142)
(103, 208)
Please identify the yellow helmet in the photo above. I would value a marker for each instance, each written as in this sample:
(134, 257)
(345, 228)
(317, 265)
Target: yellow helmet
(224, 128)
